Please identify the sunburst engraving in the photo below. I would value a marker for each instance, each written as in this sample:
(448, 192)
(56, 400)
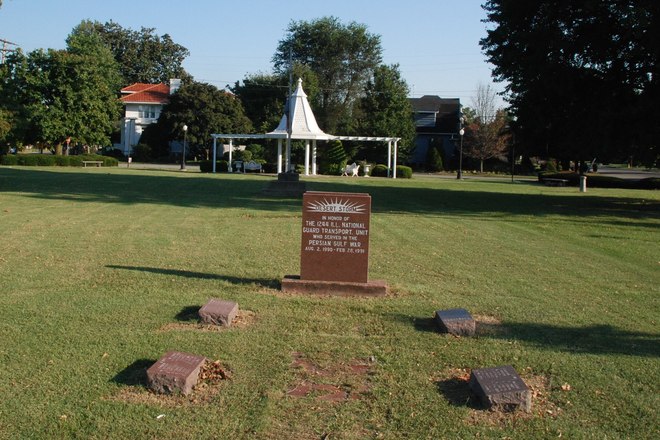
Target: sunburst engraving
(335, 205)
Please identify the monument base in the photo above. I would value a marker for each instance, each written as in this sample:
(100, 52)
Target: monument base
(286, 185)
(293, 284)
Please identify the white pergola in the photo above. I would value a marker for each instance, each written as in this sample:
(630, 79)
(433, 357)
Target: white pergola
(303, 126)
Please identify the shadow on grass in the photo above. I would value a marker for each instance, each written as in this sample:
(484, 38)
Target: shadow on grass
(262, 282)
(188, 314)
(224, 191)
(420, 323)
(135, 374)
(595, 339)
(458, 393)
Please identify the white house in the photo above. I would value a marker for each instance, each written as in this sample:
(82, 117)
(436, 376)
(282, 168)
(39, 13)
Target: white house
(143, 104)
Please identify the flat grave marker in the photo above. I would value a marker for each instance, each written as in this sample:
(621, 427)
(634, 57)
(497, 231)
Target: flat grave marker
(457, 322)
(175, 372)
(501, 387)
(218, 312)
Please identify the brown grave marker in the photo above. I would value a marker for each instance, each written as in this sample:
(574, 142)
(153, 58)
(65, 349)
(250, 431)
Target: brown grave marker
(501, 386)
(334, 253)
(457, 322)
(175, 372)
(218, 312)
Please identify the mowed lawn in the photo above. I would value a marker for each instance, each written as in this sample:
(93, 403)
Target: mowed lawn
(101, 271)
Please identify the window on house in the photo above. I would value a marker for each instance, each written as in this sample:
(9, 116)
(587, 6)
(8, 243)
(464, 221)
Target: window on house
(147, 112)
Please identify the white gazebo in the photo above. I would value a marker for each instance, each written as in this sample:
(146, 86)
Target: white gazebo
(302, 126)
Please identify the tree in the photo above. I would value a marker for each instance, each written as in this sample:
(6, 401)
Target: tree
(486, 133)
(343, 58)
(386, 111)
(264, 95)
(57, 94)
(434, 156)
(205, 109)
(582, 77)
(485, 140)
(142, 55)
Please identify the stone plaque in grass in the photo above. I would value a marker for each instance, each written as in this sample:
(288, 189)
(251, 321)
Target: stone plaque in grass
(455, 321)
(175, 372)
(501, 387)
(218, 312)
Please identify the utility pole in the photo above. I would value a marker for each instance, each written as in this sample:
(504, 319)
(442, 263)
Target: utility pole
(6, 48)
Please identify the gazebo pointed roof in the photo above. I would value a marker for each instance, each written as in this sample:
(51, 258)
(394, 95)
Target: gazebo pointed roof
(303, 122)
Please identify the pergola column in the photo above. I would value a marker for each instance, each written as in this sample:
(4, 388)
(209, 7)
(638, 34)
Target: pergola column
(231, 145)
(215, 151)
(279, 156)
(396, 148)
(314, 157)
(306, 157)
(389, 157)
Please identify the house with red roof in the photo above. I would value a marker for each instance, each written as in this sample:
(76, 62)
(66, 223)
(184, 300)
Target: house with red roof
(142, 106)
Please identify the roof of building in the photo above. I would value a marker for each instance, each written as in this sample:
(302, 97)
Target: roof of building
(432, 103)
(303, 125)
(146, 93)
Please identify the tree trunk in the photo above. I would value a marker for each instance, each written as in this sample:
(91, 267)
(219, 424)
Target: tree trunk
(481, 166)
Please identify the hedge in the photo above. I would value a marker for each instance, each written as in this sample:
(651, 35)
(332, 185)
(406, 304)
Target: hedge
(206, 166)
(600, 181)
(402, 171)
(49, 160)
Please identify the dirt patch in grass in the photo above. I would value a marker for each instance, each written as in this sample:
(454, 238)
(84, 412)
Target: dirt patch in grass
(454, 385)
(212, 377)
(243, 319)
(336, 382)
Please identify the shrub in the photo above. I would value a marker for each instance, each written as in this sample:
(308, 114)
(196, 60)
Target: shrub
(269, 167)
(206, 166)
(333, 169)
(433, 159)
(113, 152)
(550, 166)
(142, 153)
(77, 161)
(379, 171)
(9, 160)
(404, 172)
(599, 181)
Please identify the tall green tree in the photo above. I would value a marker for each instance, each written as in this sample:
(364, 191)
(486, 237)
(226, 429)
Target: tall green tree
(582, 76)
(264, 95)
(57, 94)
(205, 109)
(144, 56)
(343, 58)
(385, 110)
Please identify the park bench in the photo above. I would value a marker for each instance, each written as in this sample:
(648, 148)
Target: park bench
(555, 182)
(98, 163)
(252, 166)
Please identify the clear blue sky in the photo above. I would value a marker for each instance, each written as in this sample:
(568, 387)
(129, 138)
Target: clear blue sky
(435, 42)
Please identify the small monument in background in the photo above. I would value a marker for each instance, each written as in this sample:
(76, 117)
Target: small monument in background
(334, 254)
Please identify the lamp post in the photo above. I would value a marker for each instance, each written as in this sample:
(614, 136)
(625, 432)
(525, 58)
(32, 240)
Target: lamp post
(183, 154)
(459, 175)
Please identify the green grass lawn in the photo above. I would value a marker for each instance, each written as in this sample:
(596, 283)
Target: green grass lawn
(101, 268)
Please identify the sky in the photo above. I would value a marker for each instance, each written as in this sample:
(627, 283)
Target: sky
(435, 42)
